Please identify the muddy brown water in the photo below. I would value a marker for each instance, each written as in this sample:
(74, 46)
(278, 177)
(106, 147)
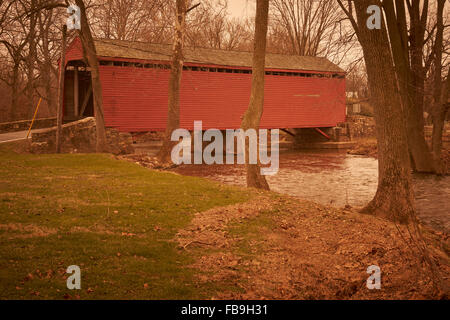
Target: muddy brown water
(336, 178)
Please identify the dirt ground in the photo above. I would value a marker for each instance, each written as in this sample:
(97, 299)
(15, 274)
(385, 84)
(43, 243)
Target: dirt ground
(284, 248)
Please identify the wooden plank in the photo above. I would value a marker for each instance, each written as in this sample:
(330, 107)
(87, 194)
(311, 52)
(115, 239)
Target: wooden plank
(76, 103)
(86, 100)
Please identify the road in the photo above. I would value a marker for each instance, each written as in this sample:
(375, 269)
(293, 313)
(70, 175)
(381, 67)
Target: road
(13, 136)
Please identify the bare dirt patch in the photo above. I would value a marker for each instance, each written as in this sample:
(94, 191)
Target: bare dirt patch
(308, 251)
(147, 161)
(209, 228)
(104, 230)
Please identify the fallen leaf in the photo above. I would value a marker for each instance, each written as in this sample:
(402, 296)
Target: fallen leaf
(28, 277)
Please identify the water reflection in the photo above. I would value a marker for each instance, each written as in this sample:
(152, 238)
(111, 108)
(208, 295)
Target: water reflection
(336, 178)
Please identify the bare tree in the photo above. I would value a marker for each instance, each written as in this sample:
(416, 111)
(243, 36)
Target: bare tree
(407, 49)
(62, 71)
(440, 94)
(20, 34)
(29, 28)
(125, 19)
(16, 39)
(252, 116)
(173, 115)
(47, 52)
(91, 54)
(394, 197)
(310, 28)
(210, 26)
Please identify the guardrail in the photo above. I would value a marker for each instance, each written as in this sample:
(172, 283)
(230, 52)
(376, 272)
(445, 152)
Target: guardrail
(23, 125)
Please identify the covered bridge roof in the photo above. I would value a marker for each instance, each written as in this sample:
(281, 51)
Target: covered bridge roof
(163, 52)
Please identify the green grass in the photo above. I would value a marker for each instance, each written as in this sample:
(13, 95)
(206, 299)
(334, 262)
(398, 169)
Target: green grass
(114, 219)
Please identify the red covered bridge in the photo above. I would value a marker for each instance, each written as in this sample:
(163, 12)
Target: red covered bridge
(300, 92)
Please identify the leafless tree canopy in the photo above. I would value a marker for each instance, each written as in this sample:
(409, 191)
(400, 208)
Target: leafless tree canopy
(310, 28)
(30, 32)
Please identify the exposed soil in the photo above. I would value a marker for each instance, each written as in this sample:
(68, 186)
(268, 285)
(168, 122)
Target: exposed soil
(364, 147)
(146, 161)
(308, 251)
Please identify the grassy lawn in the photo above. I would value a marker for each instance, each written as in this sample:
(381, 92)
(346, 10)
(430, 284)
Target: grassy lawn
(114, 219)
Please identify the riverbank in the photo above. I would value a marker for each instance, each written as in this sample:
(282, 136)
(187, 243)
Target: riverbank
(143, 234)
(368, 147)
(364, 147)
(279, 247)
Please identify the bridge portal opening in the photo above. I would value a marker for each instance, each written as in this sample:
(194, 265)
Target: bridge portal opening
(78, 98)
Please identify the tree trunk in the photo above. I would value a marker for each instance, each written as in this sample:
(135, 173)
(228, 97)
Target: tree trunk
(254, 112)
(30, 60)
(173, 115)
(91, 54)
(410, 80)
(46, 65)
(440, 106)
(15, 92)
(62, 71)
(394, 197)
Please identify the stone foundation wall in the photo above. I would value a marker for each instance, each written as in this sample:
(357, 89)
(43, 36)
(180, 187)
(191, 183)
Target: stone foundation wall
(25, 125)
(355, 127)
(359, 127)
(80, 137)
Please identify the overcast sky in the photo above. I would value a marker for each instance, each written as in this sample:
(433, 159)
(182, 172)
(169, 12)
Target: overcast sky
(241, 8)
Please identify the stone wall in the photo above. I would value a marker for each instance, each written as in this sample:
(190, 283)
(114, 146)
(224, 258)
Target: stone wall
(25, 125)
(359, 127)
(80, 137)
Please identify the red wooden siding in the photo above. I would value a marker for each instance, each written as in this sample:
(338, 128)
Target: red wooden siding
(135, 99)
(75, 50)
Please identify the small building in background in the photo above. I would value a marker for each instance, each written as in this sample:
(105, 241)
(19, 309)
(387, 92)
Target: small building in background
(353, 107)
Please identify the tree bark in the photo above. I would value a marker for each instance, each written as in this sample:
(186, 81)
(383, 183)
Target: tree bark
(173, 114)
(91, 54)
(15, 92)
(30, 60)
(410, 78)
(45, 21)
(62, 69)
(252, 116)
(394, 197)
(440, 98)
